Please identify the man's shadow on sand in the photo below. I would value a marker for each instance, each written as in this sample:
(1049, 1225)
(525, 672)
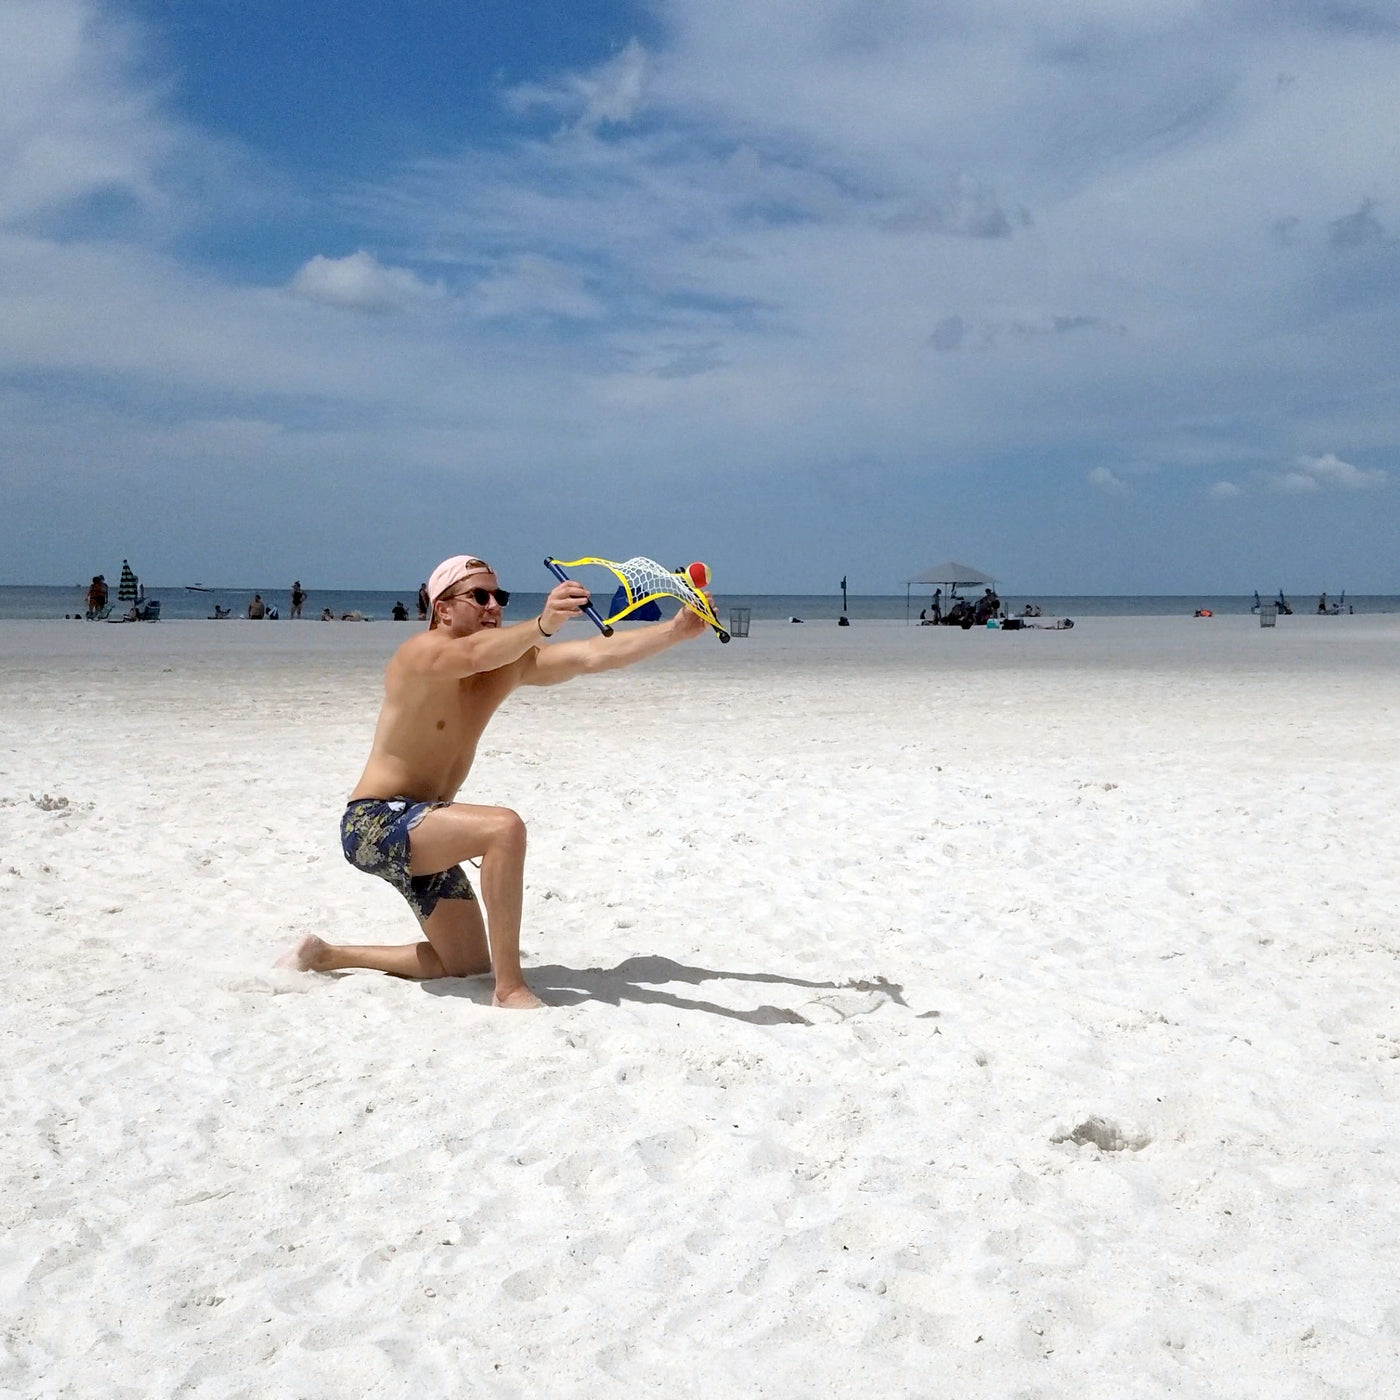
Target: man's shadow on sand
(639, 980)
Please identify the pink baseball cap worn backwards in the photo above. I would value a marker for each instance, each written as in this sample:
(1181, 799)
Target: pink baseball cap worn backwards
(449, 572)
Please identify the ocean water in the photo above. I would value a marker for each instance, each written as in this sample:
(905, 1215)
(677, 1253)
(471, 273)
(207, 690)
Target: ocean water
(179, 603)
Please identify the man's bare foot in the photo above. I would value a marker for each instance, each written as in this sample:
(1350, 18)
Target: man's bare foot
(519, 998)
(306, 956)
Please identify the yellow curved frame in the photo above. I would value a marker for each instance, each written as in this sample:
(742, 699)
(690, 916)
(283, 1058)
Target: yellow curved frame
(680, 588)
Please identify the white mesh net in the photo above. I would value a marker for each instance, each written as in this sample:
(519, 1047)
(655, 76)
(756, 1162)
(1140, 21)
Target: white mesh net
(645, 579)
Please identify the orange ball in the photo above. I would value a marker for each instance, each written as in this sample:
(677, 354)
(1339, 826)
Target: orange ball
(699, 574)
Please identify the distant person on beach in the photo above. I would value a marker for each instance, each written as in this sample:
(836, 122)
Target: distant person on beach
(403, 822)
(298, 598)
(327, 615)
(96, 595)
(423, 602)
(257, 608)
(399, 611)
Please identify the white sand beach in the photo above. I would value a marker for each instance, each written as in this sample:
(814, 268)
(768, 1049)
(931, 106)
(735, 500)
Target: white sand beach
(933, 1014)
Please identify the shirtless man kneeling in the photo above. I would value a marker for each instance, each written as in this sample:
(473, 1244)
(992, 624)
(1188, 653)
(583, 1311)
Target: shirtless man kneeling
(402, 822)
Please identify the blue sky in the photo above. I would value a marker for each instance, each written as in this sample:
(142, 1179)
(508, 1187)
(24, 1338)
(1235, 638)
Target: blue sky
(1101, 296)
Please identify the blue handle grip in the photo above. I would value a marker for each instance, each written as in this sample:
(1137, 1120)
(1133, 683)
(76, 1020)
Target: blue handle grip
(589, 611)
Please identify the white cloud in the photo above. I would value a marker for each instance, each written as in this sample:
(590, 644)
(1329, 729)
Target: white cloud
(1316, 473)
(1331, 470)
(1107, 481)
(608, 95)
(360, 282)
(1224, 491)
(534, 285)
(613, 92)
(75, 123)
(831, 196)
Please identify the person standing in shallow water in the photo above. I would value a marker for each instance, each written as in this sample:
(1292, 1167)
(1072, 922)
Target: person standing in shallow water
(298, 598)
(403, 823)
(423, 601)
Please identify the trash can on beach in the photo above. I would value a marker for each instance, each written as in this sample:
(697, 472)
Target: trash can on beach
(738, 622)
(1268, 615)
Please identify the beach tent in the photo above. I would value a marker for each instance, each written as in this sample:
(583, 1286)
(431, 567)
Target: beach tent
(950, 575)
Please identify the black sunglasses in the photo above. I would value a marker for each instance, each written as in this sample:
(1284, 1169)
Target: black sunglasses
(482, 596)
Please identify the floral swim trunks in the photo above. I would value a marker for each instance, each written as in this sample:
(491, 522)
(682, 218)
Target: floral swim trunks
(374, 836)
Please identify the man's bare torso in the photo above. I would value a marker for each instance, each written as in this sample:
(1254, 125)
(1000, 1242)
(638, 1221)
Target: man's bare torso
(429, 729)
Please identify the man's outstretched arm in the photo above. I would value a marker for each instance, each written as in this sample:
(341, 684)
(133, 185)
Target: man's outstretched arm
(562, 661)
(493, 647)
